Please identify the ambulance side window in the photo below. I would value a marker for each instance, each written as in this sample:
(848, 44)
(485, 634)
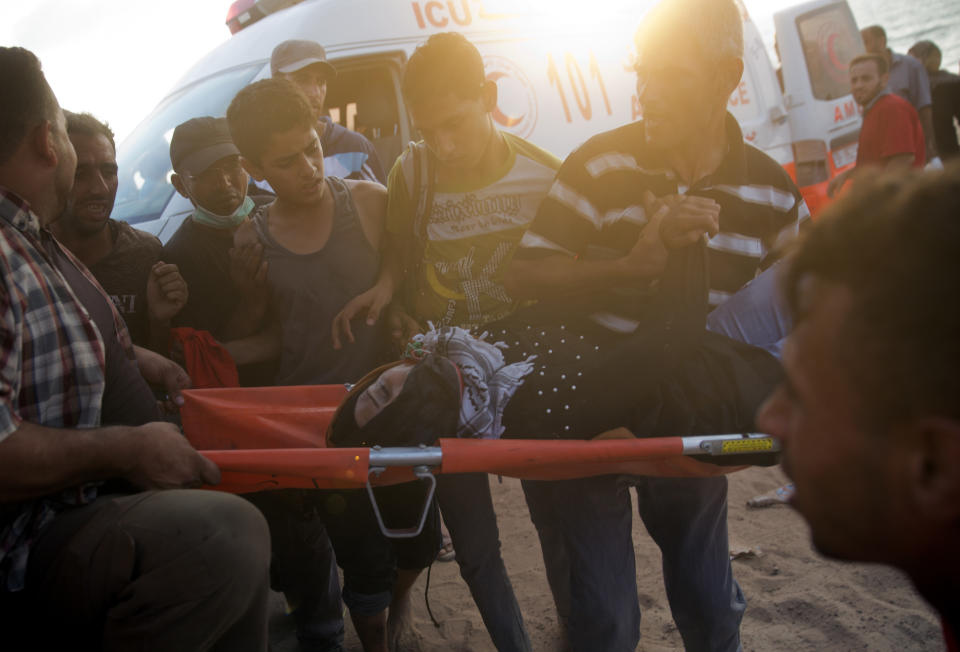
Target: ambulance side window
(830, 40)
(365, 97)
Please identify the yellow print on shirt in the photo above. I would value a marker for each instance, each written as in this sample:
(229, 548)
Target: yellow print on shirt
(471, 206)
(472, 279)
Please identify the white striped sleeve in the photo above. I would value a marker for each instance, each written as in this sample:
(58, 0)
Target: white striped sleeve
(533, 240)
(609, 162)
(620, 162)
(803, 212)
(781, 200)
(573, 200)
(735, 243)
(634, 214)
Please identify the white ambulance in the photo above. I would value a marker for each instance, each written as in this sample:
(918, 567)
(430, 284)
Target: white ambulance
(816, 41)
(562, 68)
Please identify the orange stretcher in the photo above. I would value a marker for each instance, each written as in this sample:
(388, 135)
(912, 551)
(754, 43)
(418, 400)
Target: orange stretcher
(274, 438)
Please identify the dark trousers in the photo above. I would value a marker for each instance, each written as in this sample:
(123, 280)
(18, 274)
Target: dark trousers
(467, 509)
(369, 559)
(162, 570)
(303, 567)
(585, 531)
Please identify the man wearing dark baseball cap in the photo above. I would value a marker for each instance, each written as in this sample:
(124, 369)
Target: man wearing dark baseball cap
(207, 171)
(228, 298)
(199, 143)
(346, 154)
(291, 56)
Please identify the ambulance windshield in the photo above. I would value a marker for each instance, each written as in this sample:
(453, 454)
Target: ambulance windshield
(144, 157)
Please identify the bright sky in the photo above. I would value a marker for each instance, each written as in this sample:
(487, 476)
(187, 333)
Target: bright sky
(118, 58)
(114, 58)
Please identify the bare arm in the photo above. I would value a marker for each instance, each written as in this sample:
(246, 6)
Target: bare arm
(838, 181)
(371, 202)
(36, 460)
(248, 273)
(162, 372)
(167, 294)
(674, 222)
(896, 162)
(926, 121)
(246, 317)
(259, 347)
(899, 162)
(371, 303)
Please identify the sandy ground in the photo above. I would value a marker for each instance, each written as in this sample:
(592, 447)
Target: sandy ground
(797, 600)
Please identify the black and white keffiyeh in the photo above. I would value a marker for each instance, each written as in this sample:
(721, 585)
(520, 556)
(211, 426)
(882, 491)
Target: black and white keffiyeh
(488, 381)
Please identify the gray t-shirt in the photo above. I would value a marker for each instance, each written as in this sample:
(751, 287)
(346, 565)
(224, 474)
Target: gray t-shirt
(123, 273)
(127, 399)
(909, 80)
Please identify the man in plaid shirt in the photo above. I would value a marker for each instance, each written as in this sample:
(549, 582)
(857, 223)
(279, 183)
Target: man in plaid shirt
(152, 569)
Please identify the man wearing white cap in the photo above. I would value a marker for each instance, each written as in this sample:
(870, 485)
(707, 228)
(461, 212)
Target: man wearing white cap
(346, 154)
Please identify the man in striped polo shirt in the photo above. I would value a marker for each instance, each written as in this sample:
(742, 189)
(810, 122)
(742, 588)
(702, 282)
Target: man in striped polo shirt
(686, 170)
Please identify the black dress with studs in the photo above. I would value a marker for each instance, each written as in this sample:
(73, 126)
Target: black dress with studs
(669, 377)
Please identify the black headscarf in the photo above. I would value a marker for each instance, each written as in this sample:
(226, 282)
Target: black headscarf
(428, 407)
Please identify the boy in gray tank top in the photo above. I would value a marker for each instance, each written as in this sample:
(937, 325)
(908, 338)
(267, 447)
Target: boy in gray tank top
(308, 289)
(321, 239)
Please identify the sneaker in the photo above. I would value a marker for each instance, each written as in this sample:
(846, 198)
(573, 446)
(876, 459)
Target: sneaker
(779, 496)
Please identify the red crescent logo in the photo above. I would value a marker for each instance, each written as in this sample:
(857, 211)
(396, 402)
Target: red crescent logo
(498, 115)
(832, 51)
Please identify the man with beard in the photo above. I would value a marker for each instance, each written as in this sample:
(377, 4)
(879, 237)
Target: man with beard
(868, 415)
(158, 568)
(679, 185)
(227, 284)
(891, 136)
(124, 260)
(907, 78)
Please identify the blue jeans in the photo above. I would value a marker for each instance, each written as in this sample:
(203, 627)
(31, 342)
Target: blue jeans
(467, 509)
(585, 532)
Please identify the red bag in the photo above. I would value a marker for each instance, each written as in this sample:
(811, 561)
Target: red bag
(206, 361)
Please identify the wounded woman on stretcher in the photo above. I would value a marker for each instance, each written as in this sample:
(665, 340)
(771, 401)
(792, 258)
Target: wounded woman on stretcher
(537, 375)
(545, 373)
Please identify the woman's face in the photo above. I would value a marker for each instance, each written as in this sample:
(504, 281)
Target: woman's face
(380, 393)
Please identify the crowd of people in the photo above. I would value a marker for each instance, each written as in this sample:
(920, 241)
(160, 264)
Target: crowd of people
(483, 288)
(903, 126)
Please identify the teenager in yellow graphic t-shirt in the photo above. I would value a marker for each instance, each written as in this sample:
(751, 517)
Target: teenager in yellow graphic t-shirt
(459, 201)
(458, 205)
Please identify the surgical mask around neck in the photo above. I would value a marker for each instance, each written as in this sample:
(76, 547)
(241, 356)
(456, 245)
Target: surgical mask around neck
(211, 219)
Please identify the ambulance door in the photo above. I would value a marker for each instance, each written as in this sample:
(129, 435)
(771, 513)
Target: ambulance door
(365, 97)
(757, 102)
(557, 92)
(816, 41)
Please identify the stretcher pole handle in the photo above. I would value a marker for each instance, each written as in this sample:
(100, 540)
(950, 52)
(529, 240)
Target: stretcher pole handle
(425, 475)
(730, 444)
